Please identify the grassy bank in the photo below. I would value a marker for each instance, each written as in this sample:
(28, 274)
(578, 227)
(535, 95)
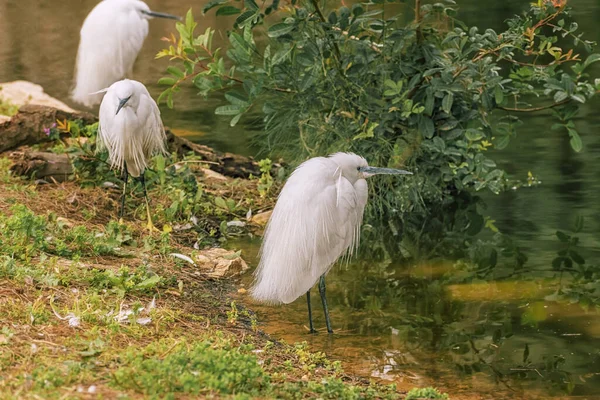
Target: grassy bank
(93, 308)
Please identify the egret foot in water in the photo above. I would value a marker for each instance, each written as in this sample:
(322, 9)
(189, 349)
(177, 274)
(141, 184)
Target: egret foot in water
(325, 308)
(310, 321)
(324, 301)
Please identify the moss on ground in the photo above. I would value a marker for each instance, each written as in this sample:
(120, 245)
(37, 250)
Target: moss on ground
(6, 107)
(93, 308)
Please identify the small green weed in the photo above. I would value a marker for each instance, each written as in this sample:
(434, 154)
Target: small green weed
(24, 235)
(140, 280)
(7, 108)
(266, 180)
(192, 368)
(425, 393)
(5, 164)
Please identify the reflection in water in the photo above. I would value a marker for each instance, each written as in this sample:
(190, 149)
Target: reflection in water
(411, 325)
(415, 329)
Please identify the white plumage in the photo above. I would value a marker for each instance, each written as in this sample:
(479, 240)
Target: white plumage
(131, 130)
(111, 37)
(316, 220)
(132, 133)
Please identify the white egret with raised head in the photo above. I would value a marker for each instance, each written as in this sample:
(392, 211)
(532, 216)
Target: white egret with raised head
(315, 221)
(111, 37)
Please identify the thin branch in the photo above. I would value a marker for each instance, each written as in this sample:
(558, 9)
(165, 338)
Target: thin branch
(231, 78)
(534, 109)
(373, 45)
(418, 20)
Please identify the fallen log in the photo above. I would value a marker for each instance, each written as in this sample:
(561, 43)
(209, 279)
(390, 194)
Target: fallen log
(42, 165)
(27, 128)
(227, 164)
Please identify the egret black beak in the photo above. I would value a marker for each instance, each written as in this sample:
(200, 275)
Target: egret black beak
(161, 15)
(122, 103)
(370, 171)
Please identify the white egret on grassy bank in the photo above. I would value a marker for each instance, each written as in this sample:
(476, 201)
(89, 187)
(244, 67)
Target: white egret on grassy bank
(316, 220)
(111, 37)
(132, 131)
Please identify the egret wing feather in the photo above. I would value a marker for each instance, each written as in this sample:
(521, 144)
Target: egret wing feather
(155, 137)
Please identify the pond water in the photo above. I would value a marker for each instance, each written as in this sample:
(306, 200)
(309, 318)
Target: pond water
(469, 338)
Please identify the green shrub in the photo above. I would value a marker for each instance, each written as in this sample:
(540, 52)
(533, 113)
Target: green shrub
(429, 93)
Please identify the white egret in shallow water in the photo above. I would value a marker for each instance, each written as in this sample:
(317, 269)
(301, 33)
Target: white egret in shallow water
(316, 220)
(111, 37)
(131, 130)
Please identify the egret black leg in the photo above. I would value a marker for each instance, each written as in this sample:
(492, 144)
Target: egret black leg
(324, 300)
(310, 321)
(125, 177)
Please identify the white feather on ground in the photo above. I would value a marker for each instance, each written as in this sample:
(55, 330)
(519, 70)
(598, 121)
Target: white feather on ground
(134, 134)
(111, 37)
(316, 220)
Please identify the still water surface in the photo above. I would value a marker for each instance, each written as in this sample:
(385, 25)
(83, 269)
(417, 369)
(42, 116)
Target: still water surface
(397, 323)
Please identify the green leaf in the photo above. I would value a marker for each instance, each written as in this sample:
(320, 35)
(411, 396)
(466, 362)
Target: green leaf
(236, 98)
(245, 17)
(212, 4)
(229, 109)
(447, 103)
(279, 29)
(592, 58)
(390, 83)
(170, 99)
(575, 256)
(473, 135)
(228, 10)
(476, 223)
(176, 72)
(219, 202)
(166, 81)
(190, 24)
(368, 133)
(499, 95)
(163, 95)
(149, 282)
(238, 42)
(448, 125)
(563, 237)
(426, 127)
(560, 96)
(235, 120)
(575, 141)
(502, 142)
